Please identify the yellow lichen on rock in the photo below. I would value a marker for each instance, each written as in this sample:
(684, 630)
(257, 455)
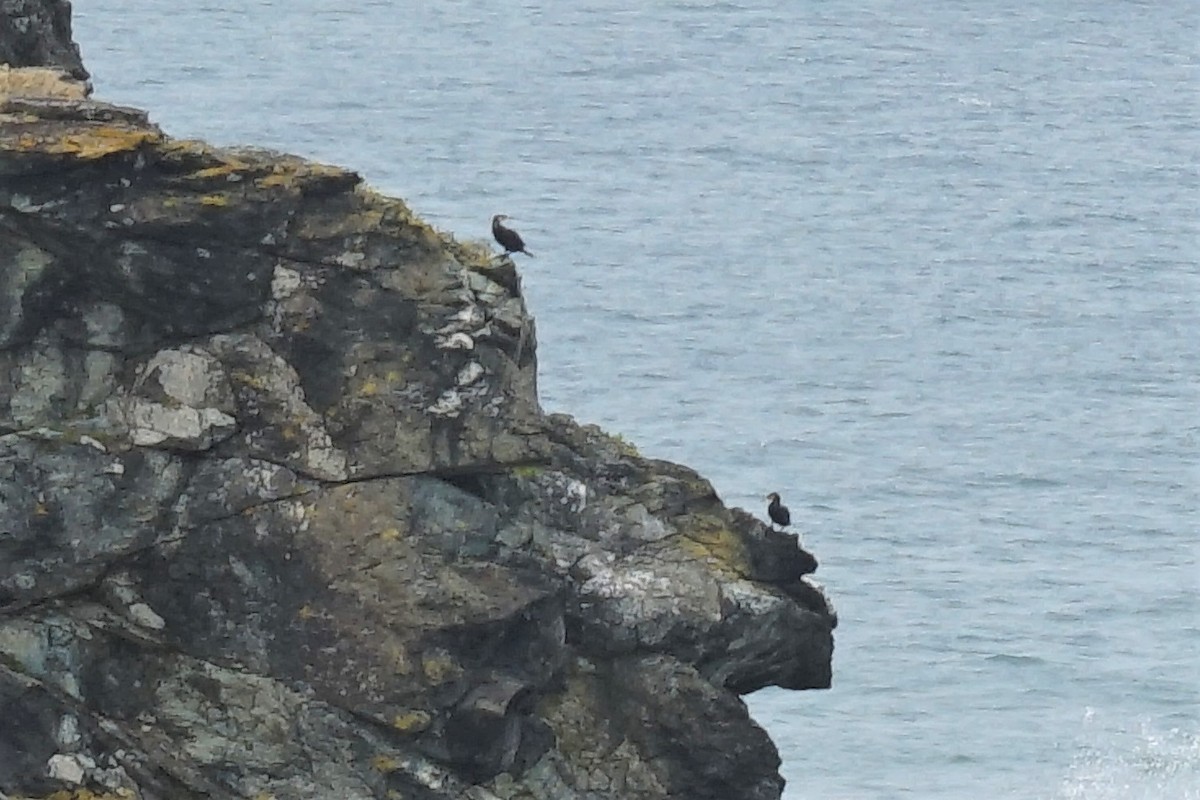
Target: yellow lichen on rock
(290, 172)
(411, 721)
(228, 167)
(397, 658)
(589, 748)
(39, 82)
(226, 170)
(624, 446)
(201, 162)
(215, 200)
(384, 764)
(89, 142)
(475, 254)
(86, 794)
(276, 180)
(528, 471)
(440, 668)
(189, 150)
(249, 379)
(709, 539)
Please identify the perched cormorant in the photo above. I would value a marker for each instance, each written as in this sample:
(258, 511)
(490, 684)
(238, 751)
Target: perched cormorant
(509, 239)
(778, 513)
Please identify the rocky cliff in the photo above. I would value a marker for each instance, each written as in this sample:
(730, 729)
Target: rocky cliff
(37, 33)
(280, 515)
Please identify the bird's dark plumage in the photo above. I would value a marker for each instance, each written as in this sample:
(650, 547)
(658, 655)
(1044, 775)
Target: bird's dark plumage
(778, 512)
(509, 239)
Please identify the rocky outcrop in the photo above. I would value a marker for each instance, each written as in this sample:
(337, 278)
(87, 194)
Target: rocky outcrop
(280, 515)
(37, 56)
(37, 33)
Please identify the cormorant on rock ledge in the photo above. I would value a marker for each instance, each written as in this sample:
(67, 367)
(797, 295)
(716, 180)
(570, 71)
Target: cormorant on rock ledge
(778, 513)
(509, 239)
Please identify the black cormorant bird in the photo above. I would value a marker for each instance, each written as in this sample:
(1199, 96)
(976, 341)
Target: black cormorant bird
(509, 239)
(778, 513)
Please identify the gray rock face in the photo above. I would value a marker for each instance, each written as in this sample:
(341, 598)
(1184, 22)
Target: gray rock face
(280, 515)
(37, 33)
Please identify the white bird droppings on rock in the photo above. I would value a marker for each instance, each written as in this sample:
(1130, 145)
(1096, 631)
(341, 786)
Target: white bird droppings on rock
(152, 424)
(67, 734)
(350, 260)
(145, 616)
(469, 316)
(284, 282)
(69, 769)
(324, 460)
(95, 444)
(470, 373)
(193, 378)
(456, 341)
(575, 495)
(449, 404)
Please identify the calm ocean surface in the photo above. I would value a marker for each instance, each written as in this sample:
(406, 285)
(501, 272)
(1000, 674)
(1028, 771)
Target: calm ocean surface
(930, 270)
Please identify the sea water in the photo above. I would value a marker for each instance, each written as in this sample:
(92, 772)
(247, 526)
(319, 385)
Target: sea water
(929, 270)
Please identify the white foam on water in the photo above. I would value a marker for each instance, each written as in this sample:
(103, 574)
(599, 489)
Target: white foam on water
(1146, 763)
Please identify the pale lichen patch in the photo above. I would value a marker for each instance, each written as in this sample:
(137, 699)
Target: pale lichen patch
(21, 270)
(228, 168)
(72, 768)
(41, 384)
(384, 764)
(89, 142)
(291, 173)
(439, 667)
(40, 82)
(411, 721)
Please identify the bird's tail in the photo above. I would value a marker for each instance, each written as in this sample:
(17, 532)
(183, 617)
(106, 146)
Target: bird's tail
(526, 252)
